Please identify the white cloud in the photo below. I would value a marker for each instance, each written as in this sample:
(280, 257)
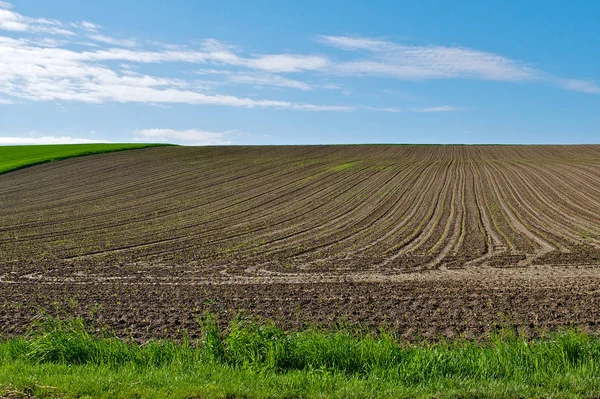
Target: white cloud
(34, 73)
(331, 86)
(442, 108)
(214, 72)
(312, 107)
(13, 21)
(268, 80)
(287, 63)
(262, 79)
(352, 43)
(41, 68)
(5, 4)
(211, 51)
(584, 86)
(426, 62)
(5, 101)
(189, 136)
(86, 25)
(116, 42)
(385, 58)
(29, 140)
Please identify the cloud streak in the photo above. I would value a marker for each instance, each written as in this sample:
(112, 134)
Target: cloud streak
(269, 80)
(49, 65)
(584, 86)
(442, 108)
(388, 59)
(45, 69)
(257, 79)
(189, 136)
(86, 25)
(111, 40)
(35, 73)
(15, 22)
(426, 62)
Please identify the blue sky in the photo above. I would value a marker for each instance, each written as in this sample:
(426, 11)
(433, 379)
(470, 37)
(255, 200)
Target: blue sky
(309, 72)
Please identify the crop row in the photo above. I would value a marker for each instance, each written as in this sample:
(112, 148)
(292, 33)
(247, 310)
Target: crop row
(304, 209)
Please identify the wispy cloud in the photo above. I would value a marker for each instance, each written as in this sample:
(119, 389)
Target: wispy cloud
(86, 25)
(36, 66)
(131, 42)
(33, 140)
(353, 43)
(585, 86)
(442, 108)
(219, 52)
(45, 69)
(210, 52)
(385, 58)
(267, 80)
(29, 72)
(425, 62)
(287, 63)
(188, 137)
(13, 21)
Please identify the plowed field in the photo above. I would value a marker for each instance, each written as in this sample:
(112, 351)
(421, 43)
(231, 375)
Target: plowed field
(427, 240)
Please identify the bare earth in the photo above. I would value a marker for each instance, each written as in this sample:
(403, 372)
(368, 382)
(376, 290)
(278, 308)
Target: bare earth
(426, 240)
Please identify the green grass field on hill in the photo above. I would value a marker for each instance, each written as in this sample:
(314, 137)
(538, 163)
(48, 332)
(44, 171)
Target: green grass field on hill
(17, 157)
(254, 359)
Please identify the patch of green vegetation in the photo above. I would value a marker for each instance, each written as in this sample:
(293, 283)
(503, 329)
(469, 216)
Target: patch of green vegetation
(344, 166)
(587, 234)
(252, 359)
(17, 157)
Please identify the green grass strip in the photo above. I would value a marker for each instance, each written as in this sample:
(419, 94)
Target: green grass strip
(252, 359)
(17, 157)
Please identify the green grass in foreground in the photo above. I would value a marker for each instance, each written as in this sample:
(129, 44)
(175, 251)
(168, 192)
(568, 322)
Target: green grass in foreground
(257, 360)
(17, 157)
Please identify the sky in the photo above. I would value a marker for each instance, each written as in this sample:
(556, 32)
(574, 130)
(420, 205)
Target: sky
(306, 72)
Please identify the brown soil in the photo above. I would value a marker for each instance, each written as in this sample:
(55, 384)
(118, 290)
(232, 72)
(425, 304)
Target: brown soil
(426, 240)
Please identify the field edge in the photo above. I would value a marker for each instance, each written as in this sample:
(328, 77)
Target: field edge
(62, 152)
(251, 358)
